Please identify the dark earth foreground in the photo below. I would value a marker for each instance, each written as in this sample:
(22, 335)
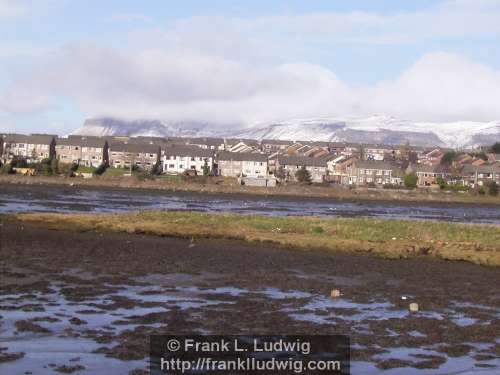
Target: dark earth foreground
(86, 303)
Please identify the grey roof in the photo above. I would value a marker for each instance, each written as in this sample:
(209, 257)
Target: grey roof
(36, 139)
(278, 142)
(133, 148)
(470, 169)
(82, 141)
(367, 164)
(234, 141)
(159, 141)
(429, 168)
(241, 156)
(181, 150)
(302, 161)
(208, 141)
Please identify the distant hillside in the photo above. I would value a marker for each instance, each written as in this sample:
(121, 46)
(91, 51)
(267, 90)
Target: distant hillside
(375, 129)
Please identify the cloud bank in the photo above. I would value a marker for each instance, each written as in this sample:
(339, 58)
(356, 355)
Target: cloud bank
(244, 71)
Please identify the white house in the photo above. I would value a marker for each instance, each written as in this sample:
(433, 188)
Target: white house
(236, 164)
(177, 159)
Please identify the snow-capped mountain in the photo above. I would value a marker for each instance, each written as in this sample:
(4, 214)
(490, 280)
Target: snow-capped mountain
(374, 129)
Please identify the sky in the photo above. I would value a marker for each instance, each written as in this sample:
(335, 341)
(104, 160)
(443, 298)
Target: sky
(246, 62)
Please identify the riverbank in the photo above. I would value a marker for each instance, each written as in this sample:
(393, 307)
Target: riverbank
(230, 186)
(88, 302)
(393, 239)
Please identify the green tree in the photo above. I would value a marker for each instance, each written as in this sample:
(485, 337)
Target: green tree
(441, 182)
(100, 169)
(448, 158)
(303, 175)
(410, 180)
(46, 167)
(18, 162)
(495, 148)
(206, 168)
(105, 154)
(280, 173)
(493, 188)
(54, 166)
(156, 170)
(7, 169)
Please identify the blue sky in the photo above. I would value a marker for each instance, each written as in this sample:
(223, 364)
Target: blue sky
(246, 62)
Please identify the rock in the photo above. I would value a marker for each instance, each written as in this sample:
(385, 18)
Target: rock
(413, 307)
(335, 293)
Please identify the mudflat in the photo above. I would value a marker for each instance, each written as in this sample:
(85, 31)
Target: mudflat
(103, 294)
(229, 186)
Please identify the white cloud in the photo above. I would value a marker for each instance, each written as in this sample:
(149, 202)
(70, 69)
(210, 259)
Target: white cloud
(440, 86)
(10, 9)
(159, 84)
(21, 102)
(246, 70)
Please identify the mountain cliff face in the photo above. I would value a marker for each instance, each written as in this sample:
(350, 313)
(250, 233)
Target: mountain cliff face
(374, 129)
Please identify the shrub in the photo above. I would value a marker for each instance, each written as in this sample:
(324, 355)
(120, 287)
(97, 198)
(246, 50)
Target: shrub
(481, 191)
(303, 175)
(493, 188)
(54, 166)
(441, 182)
(100, 169)
(317, 230)
(7, 169)
(142, 175)
(410, 180)
(156, 170)
(206, 168)
(19, 162)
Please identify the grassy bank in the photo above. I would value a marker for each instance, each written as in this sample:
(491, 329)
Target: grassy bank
(392, 239)
(230, 186)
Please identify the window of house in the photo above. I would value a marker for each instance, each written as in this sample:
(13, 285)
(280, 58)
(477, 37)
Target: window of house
(192, 159)
(151, 155)
(193, 167)
(181, 166)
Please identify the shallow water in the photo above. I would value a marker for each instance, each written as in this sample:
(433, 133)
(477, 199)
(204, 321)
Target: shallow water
(72, 199)
(188, 292)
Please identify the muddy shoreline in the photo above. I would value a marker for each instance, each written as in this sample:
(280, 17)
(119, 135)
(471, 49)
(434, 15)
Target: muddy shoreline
(220, 186)
(110, 291)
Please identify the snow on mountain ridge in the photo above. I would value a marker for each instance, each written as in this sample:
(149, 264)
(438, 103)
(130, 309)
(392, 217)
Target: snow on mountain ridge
(373, 129)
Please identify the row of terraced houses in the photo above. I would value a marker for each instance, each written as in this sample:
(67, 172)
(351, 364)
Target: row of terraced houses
(267, 160)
